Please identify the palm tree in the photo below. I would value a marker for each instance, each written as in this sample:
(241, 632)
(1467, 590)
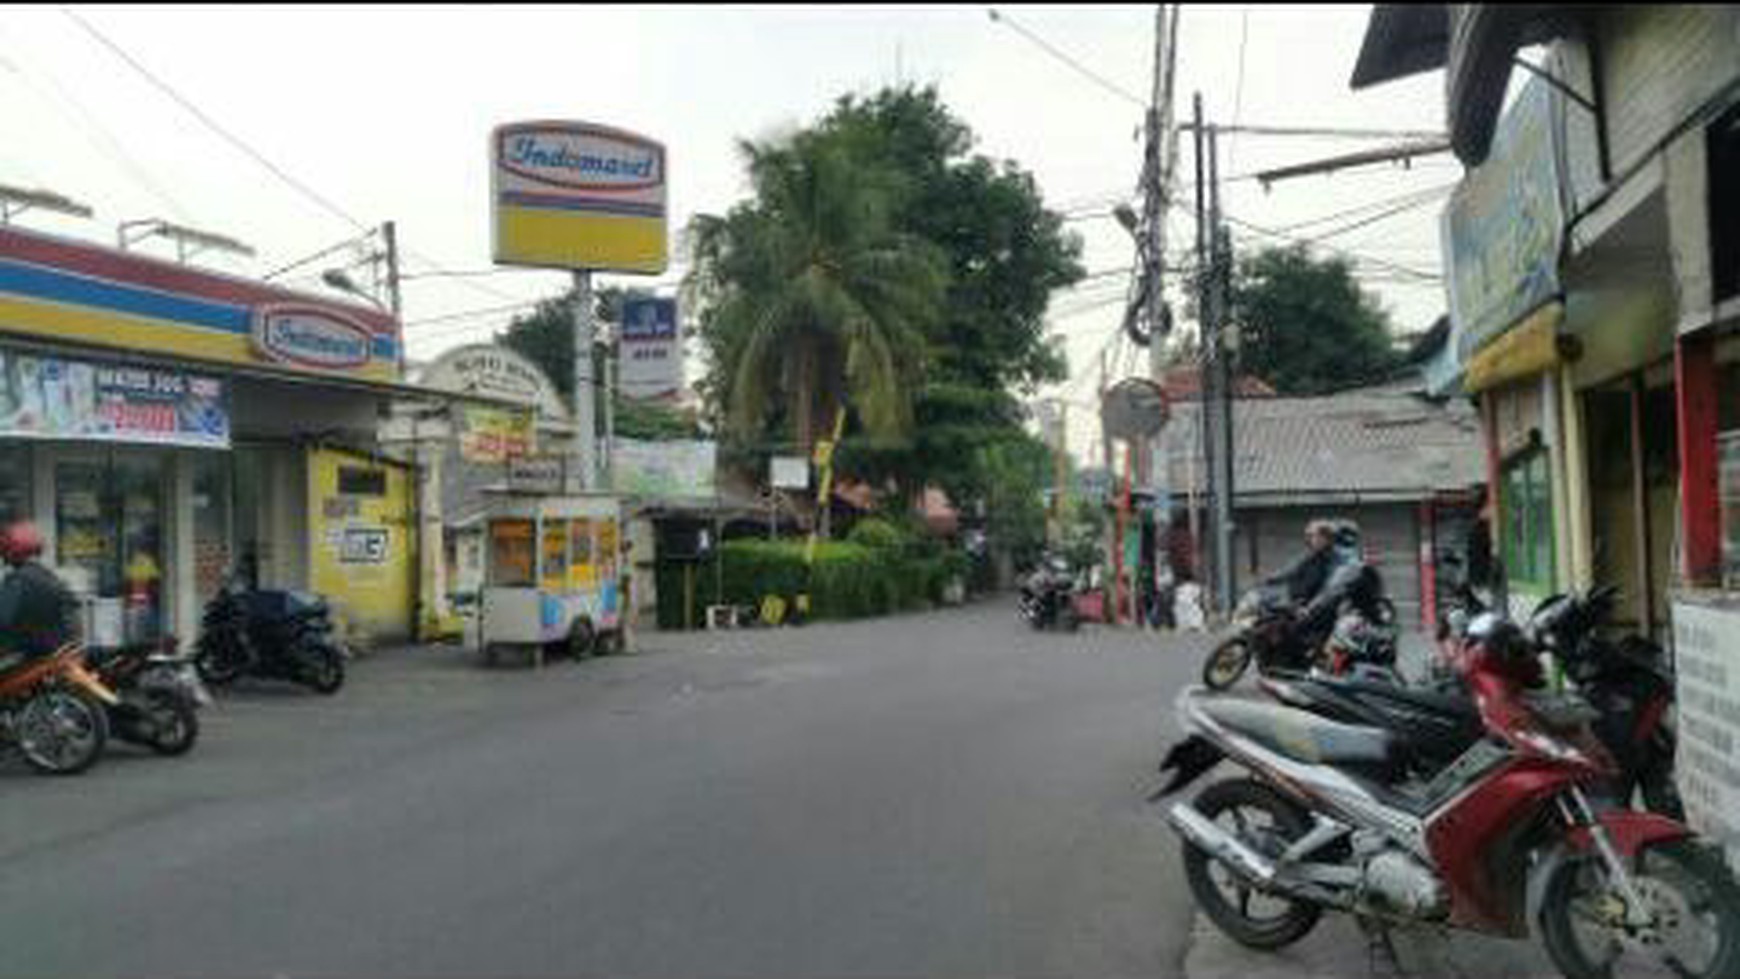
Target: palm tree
(810, 298)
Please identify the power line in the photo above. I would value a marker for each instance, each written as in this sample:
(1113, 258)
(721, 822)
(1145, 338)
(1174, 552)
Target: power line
(1357, 256)
(211, 123)
(1080, 68)
(1429, 194)
(1239, 90)
(242, 146)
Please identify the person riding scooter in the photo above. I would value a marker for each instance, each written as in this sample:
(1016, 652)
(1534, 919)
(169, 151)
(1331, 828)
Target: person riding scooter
(38, 612)
(1305, 578)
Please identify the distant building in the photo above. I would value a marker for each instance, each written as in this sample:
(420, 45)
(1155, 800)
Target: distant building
(1407, 468)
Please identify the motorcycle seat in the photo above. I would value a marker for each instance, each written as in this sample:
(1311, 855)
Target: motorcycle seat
(1303, 736)
(1429, 701)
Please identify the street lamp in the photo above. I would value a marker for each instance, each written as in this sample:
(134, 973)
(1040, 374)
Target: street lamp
(1126, 216)
(340, 279)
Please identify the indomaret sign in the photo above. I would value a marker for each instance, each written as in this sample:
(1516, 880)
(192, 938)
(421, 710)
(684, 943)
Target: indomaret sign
(575, 195)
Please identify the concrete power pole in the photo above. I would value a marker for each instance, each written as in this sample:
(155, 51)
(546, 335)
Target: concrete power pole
(585, 427)
(1161, 163)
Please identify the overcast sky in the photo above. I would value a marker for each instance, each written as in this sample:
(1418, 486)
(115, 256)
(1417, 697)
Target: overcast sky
(385, 113)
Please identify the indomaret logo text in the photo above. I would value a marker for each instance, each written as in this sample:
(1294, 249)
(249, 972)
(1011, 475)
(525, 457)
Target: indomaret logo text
(581, 159)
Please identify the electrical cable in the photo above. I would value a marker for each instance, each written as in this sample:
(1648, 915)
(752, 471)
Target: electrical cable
(1084, 70)
(242, 146)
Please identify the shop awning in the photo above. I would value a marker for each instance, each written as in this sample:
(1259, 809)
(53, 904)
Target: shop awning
(396, 390)
(1526, 350)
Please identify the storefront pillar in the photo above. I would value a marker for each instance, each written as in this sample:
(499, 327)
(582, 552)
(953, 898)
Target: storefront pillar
(183, 563)
(1553, 421)
(1699, 421)
(1578, 559)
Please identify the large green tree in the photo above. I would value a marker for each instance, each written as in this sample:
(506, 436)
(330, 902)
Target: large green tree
(1006, 253)
(811, 299)
(1306, 325)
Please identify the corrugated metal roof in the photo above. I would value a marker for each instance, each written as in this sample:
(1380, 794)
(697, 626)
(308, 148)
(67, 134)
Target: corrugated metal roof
(1370, 442)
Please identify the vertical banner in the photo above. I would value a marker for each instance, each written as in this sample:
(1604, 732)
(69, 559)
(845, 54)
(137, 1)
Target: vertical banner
(651, 350)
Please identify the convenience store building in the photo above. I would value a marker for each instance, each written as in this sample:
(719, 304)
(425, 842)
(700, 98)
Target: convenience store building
(165, 425)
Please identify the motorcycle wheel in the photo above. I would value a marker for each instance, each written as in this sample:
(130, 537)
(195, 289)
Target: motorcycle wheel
(171, 726)
(61, 733)
(1695, 912)
(218, 667)
(1227, 663)
(1267, 822)
(326, 673)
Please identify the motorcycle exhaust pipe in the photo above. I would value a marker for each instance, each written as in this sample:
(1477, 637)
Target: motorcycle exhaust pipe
(1220, 844)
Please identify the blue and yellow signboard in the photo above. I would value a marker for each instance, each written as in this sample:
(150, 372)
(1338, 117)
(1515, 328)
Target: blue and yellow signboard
(574, 195)
(72, 291)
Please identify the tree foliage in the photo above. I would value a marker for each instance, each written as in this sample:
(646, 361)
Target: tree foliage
(1307, 327)
(810, 297)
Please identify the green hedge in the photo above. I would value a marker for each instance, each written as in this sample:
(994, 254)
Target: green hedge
(851, 580)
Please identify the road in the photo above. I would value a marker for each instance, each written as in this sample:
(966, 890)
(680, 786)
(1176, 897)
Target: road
(938, 794)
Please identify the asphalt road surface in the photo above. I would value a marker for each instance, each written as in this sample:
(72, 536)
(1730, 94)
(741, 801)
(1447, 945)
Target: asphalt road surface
(944, 794)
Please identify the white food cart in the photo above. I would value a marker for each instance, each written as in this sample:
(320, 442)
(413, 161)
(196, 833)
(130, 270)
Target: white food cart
(552, 576)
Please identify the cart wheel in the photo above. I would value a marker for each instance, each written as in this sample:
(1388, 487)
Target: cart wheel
(582, 640)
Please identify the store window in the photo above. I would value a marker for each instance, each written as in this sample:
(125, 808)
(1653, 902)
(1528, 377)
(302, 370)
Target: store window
(1527, 495)
(111, 542)
(582, 573)
(555, 555)
(512, 559)
(211, 523)
(358, 481)
(15, 485)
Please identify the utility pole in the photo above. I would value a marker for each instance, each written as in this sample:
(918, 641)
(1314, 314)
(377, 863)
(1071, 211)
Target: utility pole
(585, 427)
(1205, 344)
(390, 246)
(1161, 163)
(1225, 343)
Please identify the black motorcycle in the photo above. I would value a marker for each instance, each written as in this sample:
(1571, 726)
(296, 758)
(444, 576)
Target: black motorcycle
(160, 696)
(284, 635)
(1047, 598)
(1436, 722)
(1628, 681)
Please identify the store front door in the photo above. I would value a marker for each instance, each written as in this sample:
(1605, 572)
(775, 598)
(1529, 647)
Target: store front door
(112, 541)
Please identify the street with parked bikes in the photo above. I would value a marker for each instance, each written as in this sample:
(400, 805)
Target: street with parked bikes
(949, 792)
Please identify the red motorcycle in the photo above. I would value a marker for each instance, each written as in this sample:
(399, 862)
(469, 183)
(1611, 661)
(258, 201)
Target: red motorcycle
(1510, 837)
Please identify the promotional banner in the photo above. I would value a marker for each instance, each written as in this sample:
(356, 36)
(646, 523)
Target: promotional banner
(55, 398)
(681, 470)
(493, 435)
(1502, 229)
(789, 472)
(1707, 670)
(652, 349)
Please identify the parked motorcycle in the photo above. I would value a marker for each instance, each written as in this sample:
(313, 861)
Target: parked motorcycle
(160, 694)
(284, 635)
(1628, 681)
(1510, 837)
(52, 711)
(1047, 597)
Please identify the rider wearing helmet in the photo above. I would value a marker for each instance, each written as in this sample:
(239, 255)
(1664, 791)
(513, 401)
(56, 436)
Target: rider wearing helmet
(1350, 580)
(38, 613)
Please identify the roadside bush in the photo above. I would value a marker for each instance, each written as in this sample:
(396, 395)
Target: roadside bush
(878, 534)
(850, 580)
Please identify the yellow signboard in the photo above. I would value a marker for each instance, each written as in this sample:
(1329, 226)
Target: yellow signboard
(574, 195)
(491, 435)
